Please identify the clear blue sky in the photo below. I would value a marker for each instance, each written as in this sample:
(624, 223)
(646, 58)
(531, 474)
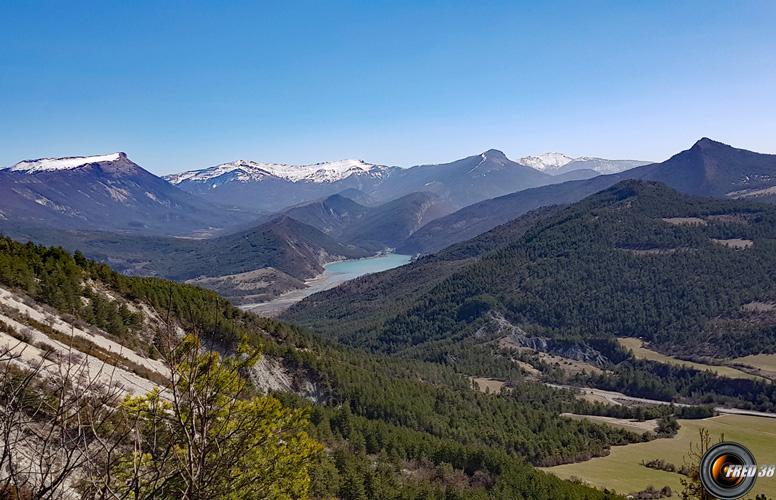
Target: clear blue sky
(182, 85)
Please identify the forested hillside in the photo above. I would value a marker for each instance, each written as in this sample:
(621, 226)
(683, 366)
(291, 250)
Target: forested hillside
(636, 260)
(379, 417)
(370, 227)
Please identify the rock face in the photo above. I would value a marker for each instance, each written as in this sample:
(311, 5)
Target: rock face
(21, 318)
(271, 375)
(516, 337)
(106, 192)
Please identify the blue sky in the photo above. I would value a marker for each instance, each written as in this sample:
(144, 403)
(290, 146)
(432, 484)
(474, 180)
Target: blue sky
(182, 85)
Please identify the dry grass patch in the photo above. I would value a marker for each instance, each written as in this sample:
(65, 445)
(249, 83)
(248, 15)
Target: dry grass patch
(569, 366)
(485, 384)
(763, 364)
(528, 368)
(640, 351)
(653, 251)
(729, 218)
(735, 243)
(685, 221)
(636, 426)
(759, 307)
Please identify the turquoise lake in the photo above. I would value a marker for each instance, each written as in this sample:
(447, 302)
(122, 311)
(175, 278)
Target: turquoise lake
(345, 270)
(335, 273)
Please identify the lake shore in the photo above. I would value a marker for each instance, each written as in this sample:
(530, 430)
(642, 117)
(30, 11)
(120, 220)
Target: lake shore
(334, 274)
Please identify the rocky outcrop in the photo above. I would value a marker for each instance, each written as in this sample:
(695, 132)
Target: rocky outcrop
(513, 336)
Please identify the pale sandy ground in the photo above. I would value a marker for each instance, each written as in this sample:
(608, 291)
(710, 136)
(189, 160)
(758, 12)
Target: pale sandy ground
(320, 283)
(8, 299)
(276, 306)
(753, 193)
(97, 369)
(736, 243)
(31, 355)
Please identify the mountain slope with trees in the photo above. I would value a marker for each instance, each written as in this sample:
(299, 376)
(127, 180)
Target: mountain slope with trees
(637, 259)
(708, 168)
(282, 243)
(371, 227)
(377, 416)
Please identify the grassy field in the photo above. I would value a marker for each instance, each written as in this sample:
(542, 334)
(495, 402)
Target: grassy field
(764, 362)
(485, 384)
(622, 423)
(642, 352)
(621, 470)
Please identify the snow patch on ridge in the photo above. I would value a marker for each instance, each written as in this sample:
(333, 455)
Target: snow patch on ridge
(546, 161)
(68, 163)
(251, 171)
(556, 163)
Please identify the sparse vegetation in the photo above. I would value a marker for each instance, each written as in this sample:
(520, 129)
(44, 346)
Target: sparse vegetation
(203, 435)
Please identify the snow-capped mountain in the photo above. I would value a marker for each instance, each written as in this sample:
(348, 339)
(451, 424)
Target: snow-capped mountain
(67, 163)
(105, 192)
(559, 163)
(271, 187)
(251, 171)
(546, 162)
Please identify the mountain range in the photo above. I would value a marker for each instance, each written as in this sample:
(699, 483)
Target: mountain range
(112, 193)
(113, 210)
(273, 187)
(530, 290)
(107, 192)
(708, 168)
(261, 261)
(559, 163)
(270, 187)
(371, 227)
